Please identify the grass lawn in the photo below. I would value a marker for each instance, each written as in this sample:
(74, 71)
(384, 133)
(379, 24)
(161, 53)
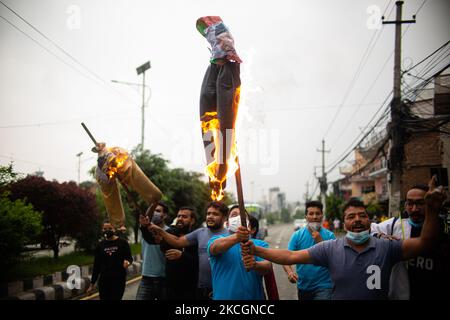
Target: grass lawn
(32, 267)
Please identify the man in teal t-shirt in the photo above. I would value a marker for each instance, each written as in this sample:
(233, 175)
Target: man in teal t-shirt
(313, 282)
(230, 280)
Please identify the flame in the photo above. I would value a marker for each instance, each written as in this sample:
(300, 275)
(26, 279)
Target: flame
(211, 123)
(116, 160)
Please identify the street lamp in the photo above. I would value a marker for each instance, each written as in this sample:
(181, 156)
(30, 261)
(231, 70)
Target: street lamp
(79, 165)
(131, 84)
(139, 70)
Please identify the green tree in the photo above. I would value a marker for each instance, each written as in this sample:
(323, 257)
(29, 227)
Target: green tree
(20, 225)
(333, 206)
(271, 218)
(299, 214)
(67, 210)
(178, 186)
(374, 209)
(285, 215)
(7, 176)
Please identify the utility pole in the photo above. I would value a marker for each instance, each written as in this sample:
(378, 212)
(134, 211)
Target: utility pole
(307, 191)
(139, 70)
(396, 129)
(323, 179)
(79, 165)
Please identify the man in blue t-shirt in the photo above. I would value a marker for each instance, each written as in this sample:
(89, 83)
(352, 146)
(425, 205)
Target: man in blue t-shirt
(313, 282)
(216, 215)
(230, 279)
(153, 283)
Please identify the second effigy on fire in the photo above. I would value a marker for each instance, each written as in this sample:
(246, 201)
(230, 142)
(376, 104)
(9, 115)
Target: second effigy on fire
(116, 163)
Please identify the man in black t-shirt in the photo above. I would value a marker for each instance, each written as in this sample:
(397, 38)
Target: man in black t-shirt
(181, 264)
(428, 275)
(112, 258)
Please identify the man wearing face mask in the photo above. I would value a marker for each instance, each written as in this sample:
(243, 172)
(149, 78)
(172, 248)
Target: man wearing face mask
(112, 258)
(360, 265)
(230, 279)
(181, 264)
(426, 276)
(313, 282)
(153, 282)
(216, 215)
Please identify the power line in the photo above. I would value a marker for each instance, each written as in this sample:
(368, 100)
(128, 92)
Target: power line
(96, 76)
(374, 82)
(420, 8)
(361, 65)
(368, 92)
(331, 106)
(46, 49)
(12, 159)
(433, 63)
(346, 152)
(427, 57)
(364, 98)
(55, 44)
(353, 146)
(54, 123)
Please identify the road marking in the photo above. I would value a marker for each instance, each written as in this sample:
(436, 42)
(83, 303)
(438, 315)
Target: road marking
(127, 283)
(277, 246)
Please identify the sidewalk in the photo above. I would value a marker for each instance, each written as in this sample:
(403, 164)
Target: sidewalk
(55, 286)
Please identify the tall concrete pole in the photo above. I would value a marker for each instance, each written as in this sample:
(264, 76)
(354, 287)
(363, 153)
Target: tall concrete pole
(396, 129)
(323, 179)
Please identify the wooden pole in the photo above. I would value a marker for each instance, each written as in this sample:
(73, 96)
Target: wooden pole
(89, 133)
(124, 186)
(240, 194)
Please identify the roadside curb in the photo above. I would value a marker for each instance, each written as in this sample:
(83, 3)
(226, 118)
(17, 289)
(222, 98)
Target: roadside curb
(55, 286)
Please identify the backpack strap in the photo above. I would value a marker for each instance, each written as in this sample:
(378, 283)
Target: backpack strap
(393, 224)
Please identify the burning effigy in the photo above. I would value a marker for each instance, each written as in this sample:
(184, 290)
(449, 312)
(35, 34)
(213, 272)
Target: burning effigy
(116, 164)
(219, 101)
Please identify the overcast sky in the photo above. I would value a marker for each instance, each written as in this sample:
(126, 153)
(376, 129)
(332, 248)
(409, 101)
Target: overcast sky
(299, 60)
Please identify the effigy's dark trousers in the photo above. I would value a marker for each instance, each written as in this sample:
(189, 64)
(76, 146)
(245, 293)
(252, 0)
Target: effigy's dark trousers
(220, 93)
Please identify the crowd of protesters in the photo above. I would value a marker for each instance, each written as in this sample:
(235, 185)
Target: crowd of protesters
(399, 258)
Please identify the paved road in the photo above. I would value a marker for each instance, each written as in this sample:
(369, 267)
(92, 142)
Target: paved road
(278, 237)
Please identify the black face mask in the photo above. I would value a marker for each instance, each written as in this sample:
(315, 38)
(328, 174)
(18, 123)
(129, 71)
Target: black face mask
(108, 234)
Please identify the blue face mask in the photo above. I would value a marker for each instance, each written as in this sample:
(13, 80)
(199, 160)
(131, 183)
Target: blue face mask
(415, 224)
(358, 237)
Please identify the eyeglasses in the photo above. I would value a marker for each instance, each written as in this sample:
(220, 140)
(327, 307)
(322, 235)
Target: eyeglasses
(417, 203)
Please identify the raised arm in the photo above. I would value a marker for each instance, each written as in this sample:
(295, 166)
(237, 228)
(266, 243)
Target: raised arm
(433, 201)
(221, 245)
(279, 256)
(172, 240)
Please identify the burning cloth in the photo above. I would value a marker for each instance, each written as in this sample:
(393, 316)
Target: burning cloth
(219, 100)
(115, 163)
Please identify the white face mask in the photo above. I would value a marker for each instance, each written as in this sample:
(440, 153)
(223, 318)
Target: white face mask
(234, 223)
(315, 226)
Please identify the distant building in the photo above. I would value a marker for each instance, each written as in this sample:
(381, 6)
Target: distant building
(273, 199)
(426, 151)
(277, 200)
